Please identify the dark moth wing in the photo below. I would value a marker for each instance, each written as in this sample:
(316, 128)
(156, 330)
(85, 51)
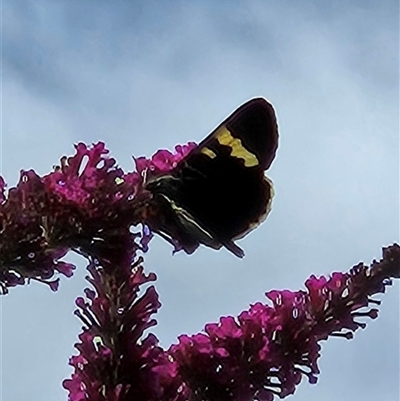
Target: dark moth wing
(219, 192)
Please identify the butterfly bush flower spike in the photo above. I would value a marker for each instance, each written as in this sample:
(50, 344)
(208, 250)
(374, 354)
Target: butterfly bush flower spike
(116, 361)
(85, 204)
(78, 206)
(267, 349)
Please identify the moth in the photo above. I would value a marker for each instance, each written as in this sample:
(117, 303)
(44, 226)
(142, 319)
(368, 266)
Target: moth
(218, 193)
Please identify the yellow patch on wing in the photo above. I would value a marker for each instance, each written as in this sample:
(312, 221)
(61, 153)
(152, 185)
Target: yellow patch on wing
(208, 152)
(224, 137)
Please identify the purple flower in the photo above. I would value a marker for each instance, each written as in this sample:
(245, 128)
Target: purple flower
(83, 204)
(2, 189)
(116, 361)
(87, 204)
(184, 150)
(163, 160)
(24, 242)
(267, 350)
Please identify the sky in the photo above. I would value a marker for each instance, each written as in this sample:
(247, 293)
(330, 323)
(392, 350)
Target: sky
(146, 75)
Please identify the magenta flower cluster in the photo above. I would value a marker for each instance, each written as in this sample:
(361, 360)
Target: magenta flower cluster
(267, 350)
(86, 204)
(89, 205)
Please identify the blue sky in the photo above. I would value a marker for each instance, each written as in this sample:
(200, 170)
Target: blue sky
(146, 75)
